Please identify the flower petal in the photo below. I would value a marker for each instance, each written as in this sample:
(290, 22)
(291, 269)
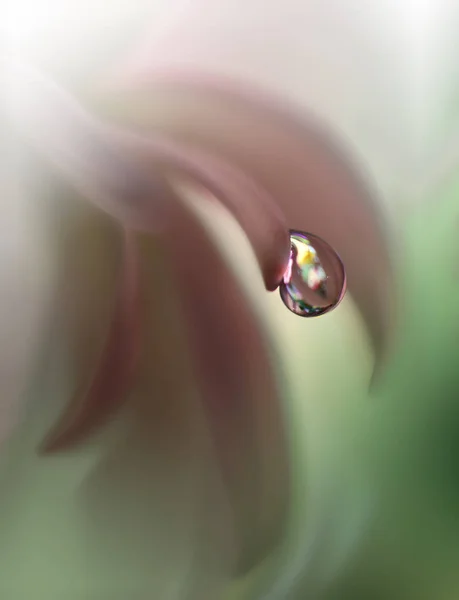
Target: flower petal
(312, 180)
(104, 164)
(117, 366)
(239, 389)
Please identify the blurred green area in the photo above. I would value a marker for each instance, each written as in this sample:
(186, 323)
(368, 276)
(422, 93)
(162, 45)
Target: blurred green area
(377, 488)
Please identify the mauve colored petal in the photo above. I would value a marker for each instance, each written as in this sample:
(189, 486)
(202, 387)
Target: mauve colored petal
(117, 368)
(234, 375)
(315, 185)
(102, 163)
(255, 210)
(106, 165)
(240, 391)
(106, 393)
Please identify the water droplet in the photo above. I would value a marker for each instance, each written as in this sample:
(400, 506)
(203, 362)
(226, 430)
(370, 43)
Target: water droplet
(315, 281)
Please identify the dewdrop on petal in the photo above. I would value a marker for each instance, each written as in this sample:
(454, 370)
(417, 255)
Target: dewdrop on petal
(314, 282)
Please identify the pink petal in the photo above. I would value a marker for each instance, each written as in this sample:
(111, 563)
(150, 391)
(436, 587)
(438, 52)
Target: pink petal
(239, 389)
(105, 164)
(117, 366)
(314, 183)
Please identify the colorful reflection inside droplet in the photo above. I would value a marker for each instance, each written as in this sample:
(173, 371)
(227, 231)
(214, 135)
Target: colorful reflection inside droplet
(315, 281)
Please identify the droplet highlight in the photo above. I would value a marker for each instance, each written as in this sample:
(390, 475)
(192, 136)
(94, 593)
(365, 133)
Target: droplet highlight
(314, 282)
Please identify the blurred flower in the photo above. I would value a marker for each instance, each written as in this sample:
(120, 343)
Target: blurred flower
(212, 378)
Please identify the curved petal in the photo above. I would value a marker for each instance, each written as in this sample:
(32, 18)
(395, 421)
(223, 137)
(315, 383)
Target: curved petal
(234, 374)
(312, 180)
(236, 377)
(117, 365)
(106, 165)
(98, 161)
